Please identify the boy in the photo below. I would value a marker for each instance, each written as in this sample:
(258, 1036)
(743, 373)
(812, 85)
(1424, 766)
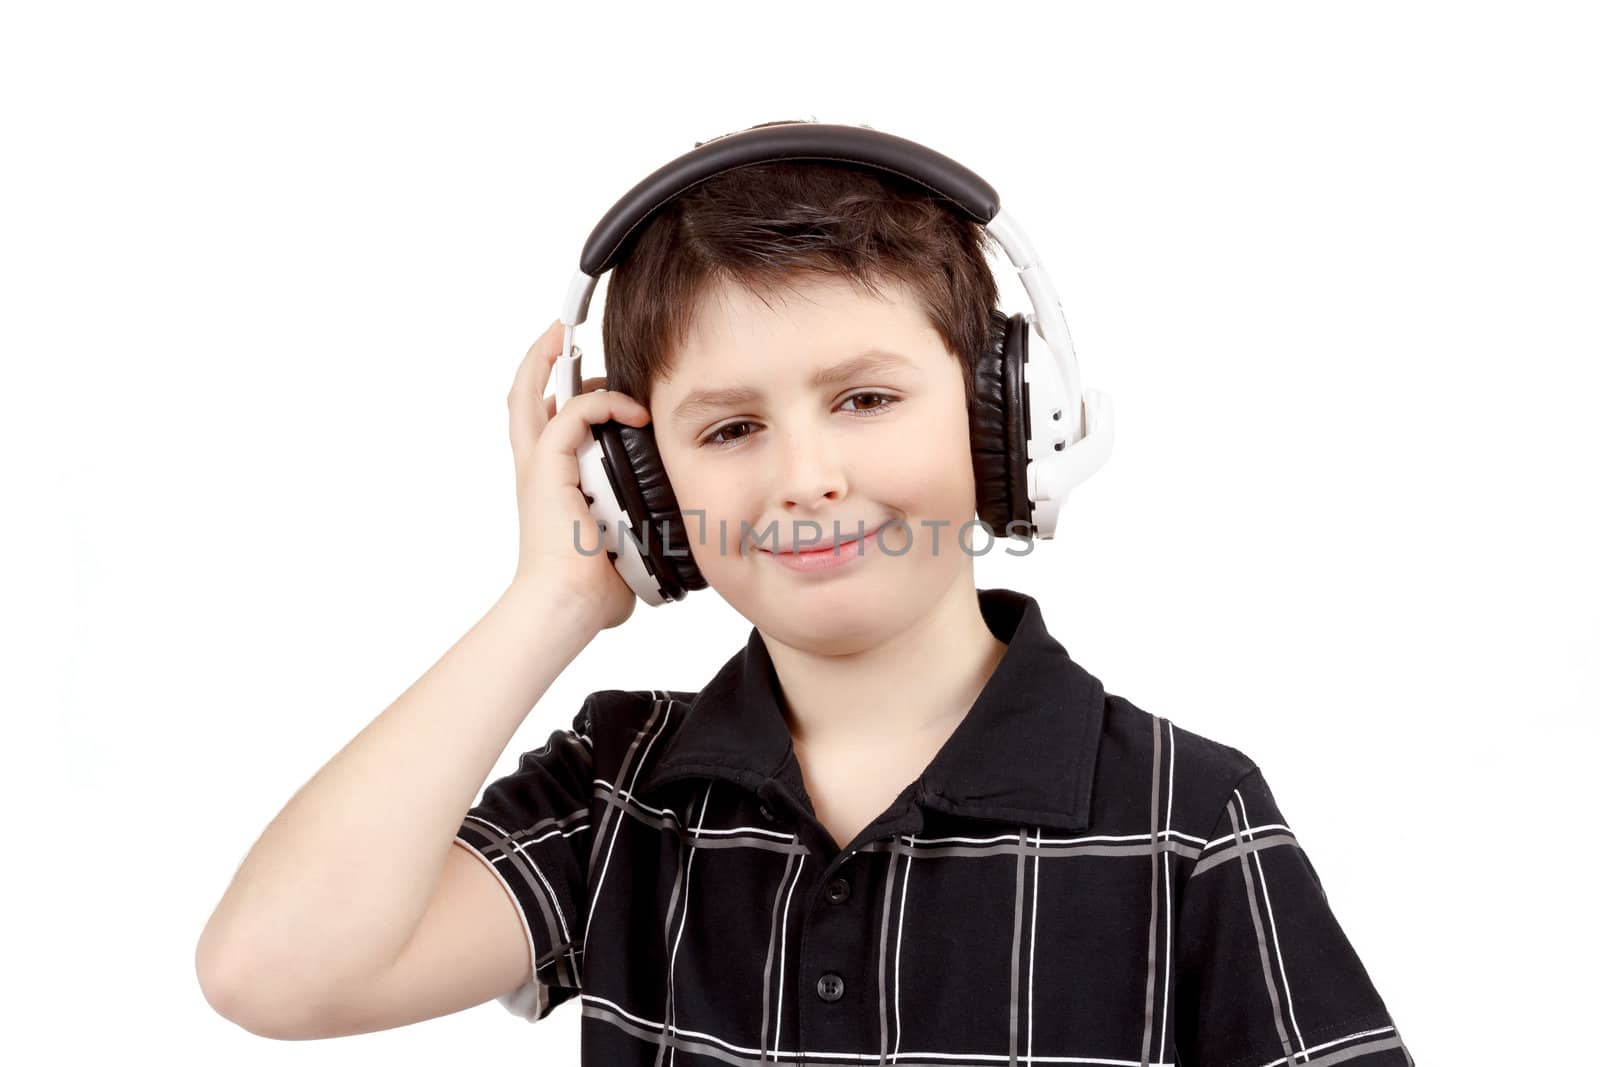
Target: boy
(901, 824)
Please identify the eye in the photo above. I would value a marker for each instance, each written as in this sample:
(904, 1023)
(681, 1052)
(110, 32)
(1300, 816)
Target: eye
(889, 402)
(718, 439)
(710, 439)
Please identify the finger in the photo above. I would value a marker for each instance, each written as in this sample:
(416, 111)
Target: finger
(527, 417)
(569, 428)
(589, 386)
(544, 350)
(534, 370)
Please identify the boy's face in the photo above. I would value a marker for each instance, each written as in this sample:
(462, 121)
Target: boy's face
(795, 452)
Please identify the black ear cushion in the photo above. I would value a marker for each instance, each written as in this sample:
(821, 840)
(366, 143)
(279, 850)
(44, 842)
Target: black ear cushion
(999, 424)
(640, 480)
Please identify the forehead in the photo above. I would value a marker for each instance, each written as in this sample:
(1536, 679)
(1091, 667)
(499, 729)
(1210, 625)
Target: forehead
(781, 339)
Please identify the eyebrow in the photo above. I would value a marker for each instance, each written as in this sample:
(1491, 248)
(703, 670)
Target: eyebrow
(703, 401)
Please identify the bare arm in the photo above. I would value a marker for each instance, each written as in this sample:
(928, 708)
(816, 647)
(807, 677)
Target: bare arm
(335, 887)
(352, 909)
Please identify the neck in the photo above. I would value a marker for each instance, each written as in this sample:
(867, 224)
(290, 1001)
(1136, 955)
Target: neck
(918, 683)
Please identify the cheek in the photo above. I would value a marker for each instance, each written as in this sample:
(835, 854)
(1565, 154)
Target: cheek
(711, 503)
(929, 469)
(683, 471)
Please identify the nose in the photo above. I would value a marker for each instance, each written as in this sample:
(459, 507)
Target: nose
(811, 474)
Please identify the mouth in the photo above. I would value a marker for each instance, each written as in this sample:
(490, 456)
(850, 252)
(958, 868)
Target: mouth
(821, 548)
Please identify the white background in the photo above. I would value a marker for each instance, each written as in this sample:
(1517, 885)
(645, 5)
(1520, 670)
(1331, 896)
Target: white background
(267, 274)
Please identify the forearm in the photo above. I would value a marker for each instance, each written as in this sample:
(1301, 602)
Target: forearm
(340, 879)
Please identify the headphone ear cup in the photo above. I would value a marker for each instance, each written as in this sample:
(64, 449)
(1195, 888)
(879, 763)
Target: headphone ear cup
(999, 424)
(640, 480)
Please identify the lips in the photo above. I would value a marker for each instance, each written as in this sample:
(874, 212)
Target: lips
(822, 547)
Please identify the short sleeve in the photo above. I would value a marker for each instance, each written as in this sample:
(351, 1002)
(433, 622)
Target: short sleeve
(1266, 974)
(531, 829)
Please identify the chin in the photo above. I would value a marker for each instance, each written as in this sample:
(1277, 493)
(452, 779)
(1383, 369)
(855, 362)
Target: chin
(836, 618)
(800, 628)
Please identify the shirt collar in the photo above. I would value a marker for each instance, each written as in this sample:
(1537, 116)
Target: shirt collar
(1025, 752)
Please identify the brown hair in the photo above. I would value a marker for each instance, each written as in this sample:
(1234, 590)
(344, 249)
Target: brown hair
(767, 226)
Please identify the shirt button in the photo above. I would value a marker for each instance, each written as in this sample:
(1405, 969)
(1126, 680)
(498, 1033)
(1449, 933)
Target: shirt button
(838, 891)
(766, 813)
(830, 987)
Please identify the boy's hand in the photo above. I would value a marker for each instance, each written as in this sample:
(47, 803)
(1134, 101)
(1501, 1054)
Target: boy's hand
(550, 506)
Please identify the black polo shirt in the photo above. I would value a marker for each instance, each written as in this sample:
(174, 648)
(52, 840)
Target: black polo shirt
(1071, 880)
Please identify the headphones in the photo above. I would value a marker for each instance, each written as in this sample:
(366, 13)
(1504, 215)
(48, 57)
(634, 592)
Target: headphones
(1035, 433)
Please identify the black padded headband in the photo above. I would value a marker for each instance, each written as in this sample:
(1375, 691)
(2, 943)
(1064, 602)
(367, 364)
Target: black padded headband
(806, 141)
